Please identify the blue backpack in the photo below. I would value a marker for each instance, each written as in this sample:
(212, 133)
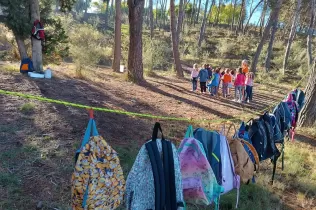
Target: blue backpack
(26, 65)
(211, 143)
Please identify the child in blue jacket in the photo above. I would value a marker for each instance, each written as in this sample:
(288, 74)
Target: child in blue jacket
(203, 75)
(214, 84)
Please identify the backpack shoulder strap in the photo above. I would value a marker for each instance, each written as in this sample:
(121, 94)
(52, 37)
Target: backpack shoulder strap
(157, 172)
(168, 162)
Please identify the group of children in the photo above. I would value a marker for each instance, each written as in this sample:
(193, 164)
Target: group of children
(211, 79)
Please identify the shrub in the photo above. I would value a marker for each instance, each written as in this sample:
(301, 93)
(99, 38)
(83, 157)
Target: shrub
(88, 46)
(226, 47)
(157, 54)
(27, 108)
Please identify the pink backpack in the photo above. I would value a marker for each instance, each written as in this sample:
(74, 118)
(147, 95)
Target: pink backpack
(198, 179)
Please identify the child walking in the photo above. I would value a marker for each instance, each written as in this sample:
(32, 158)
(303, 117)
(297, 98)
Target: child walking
(214, 83)
(194, 76)
(226, 78)
(203, 75)
(239, 85)
(249, 85)
(231, 84)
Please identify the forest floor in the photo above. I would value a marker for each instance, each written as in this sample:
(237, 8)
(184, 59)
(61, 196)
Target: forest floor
(38, 140)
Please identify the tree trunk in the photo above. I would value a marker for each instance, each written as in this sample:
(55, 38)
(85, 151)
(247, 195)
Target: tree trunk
(111, 8)
(176, 54)
(273, 16)
(198, 12)
(135, 53)
(308, 113)
(310, 34)
(193, 11)
(36, 44)
(203, 26)
(218, 12)
(21, 46)
(151, 18)
(239, 27)
(263, 17)
(250, 16)
(233, 15)
(180, 19)
(106, 14)
(118, 34)
(267, 63)
(292, 34)
(157, 13)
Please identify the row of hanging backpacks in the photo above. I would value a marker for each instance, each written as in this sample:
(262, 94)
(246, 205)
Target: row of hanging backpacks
(269, 129)
(212, 166)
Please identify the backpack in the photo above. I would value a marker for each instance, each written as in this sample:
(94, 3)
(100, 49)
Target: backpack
(244, 167)
(278, 136)
(97, 181)
(261, 134)
(199, 182)
(26, 66)
(300, 98)
(38, 31)
(155, 181)
(290, 101)
(211, 144)
(283, 117)
(230, 179)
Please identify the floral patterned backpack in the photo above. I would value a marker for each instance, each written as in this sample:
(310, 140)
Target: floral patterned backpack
(97, 182)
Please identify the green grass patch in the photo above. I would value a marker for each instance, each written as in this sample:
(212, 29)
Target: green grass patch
(27, 108)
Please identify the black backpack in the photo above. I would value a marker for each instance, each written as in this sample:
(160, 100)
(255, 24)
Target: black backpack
(261, 134)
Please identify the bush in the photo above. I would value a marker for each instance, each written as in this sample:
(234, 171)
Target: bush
(88, 46)
(226, 47)
(27, 108)
(157, 54)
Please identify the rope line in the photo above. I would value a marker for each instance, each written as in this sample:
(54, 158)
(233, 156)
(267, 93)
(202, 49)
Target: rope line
(135, 114)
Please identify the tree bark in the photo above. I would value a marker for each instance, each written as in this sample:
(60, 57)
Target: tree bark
(263, 17)
(111, 8)
(239, 27)
(106, 14)
(310, 34)
(233, 15)
(198, 12)
(218, 12)
(203, 26)
(135, 53)
(118, 34)
(180, 19)
(273, 16)
(308, 113)
(37, 56)
(250, 16)
(21, 46)
(267, 63)
(151, 18)
(193, 11)
(292, 34)
(176, 54)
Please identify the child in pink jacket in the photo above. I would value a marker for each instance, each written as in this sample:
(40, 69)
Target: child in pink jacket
(239, 85)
